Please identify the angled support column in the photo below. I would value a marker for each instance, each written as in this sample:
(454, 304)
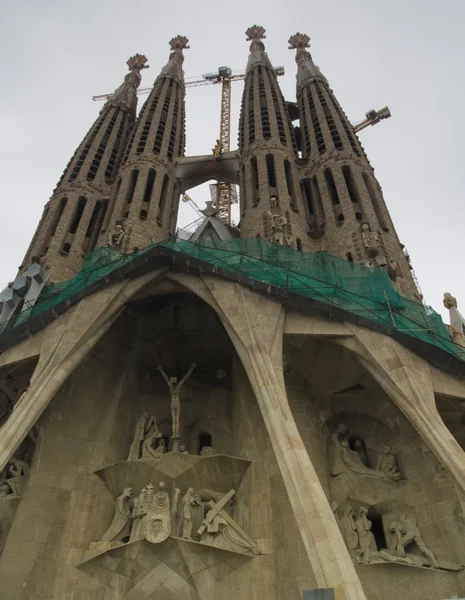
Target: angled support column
(255, 326)
(406, 378)
(65, 344)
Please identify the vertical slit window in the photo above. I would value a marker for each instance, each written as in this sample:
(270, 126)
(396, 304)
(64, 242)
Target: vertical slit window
(306, 148)
(375, 202)
(98, 156)
(254, 179)
(308, 195)
(163, 198)
(352, 190)
(157, 145)
(318, 204)
(290, 183)
(332, 190)
(243, 192)
(88, 145)
(147, 114)
(147, 193)
(347, 129)
(250, 102)
(265, 117)
(115, 152)
(270, 170)
(58, 216)
(130, 192)
(78, 214)
(299, 244)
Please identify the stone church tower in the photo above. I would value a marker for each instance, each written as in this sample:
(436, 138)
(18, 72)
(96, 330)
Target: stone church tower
(263, 411)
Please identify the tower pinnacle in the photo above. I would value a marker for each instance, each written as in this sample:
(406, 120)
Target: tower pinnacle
(307, 70)
(125, 96)
(255, 35)
(173, 67)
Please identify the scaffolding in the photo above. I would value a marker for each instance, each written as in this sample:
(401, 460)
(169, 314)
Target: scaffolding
(358, 289)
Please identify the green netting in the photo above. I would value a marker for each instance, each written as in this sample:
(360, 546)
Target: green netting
(362, 290)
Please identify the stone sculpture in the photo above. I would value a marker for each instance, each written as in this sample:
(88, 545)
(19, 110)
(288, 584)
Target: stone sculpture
(370, 241)
(189, 500)
(153, 445)
(176, 512)
(120, 526)
(406, 532)
(140, 432)
(208, 451)
(342, 459)
(183, 450)
(278, 224)
(387, 462)
(366, 540)
(115, 237)
(348, 529)
(158, 519)
(449, 301)
(218, 149)
(16, 473)
(175, 390)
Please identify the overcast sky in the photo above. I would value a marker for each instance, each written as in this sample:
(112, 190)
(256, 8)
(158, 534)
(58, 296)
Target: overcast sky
(407, 54)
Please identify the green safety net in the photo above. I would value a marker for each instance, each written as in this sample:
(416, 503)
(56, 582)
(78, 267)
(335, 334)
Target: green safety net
(364, 291)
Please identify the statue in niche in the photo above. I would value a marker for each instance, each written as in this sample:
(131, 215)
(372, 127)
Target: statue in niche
(387, 462)
(189, 500)
(115, 237)
(16, 473)
(158, 520)
(348, 529)
(120, 527)
(366, 540)
(142, 505)
(175, 390)
(370, 240)
(406, 532)
(342, 459)
(183, 450)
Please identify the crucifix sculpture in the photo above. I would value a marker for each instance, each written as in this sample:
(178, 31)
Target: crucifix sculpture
(175, 389)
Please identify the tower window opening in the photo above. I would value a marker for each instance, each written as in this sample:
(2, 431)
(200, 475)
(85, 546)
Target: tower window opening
(270, 170)
(148, 193)
(332, 189)
(278, 113)
(375, 202)
(95, 224)
(130, 191)
(205, 439)
(299, 244)
(115, 152)
(92, 172)
(266, 128)
(94, 219)
(290, 183)
(58, 216)
(147, 114)
(254, 179)
(66, 248)
(329, 118)
(86, 149)
(347, 129)
(349, 257)
(306, 147)
(350, 184)
(163, 197)
(78, 214)
(243, 189)
(308, 195)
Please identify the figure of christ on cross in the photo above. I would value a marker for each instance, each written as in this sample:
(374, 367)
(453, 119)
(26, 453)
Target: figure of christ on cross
(175, 390)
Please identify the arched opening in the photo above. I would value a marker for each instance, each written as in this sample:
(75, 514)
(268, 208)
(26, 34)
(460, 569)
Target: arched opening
(290, 184)
(147, 194)
(163, 199)
(130, 192)
(270, 169)
(204, 440)
(254, 180)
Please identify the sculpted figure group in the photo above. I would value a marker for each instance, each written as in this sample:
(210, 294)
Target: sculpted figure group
(13, 478)
(155, 515)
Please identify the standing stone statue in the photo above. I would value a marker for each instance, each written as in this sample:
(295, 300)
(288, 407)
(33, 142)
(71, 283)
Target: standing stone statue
(121, 525)
(189, 500)
(387, 462)
(115, 237)
(151, 444)
(406, 532)
(158, 520)
(176, 512)
(140, 432)
(348, 529)
(175, 390)
(366, 539)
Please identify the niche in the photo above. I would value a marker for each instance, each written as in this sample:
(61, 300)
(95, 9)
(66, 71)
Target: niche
(205, 439)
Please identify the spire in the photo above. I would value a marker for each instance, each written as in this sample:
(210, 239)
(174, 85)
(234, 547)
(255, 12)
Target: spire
(125, 96)
(258, 56)
(173, 67)
(307, 70)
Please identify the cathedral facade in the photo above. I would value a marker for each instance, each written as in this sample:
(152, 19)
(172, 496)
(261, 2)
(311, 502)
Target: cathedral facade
(264, 411)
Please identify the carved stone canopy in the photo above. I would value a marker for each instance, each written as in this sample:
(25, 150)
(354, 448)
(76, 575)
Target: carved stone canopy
(137, 62)
(255, 33)
(179, 43)
(299, 41)
(449, 301)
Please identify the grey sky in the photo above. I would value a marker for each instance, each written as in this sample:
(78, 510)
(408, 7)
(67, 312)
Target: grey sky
(407, 54)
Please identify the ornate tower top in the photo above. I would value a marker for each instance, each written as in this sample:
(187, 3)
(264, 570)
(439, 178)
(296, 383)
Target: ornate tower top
(173, 68)
(256, 34)
(125, 96)
(307, 70)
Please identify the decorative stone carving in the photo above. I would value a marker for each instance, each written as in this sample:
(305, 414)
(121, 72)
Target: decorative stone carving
(115, 237)
(406, 532)
(366, 540)
(189, 500)
(371, 241)
(158, 525)
(343, 459)
(449, 301)
(175, 390)
(176, 513)
(218, 149)
(14, 478)
(140, 432)
(153, 445)
(126, 95)
(120, 527)
(278, 224)
(387, 463)
(183, 450)
(208, 451)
